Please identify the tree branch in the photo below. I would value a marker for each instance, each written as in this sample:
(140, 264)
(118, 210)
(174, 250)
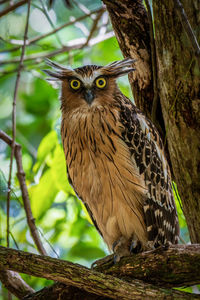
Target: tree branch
(63, 292)
(12, 7)
(40, 37)
(14, 119)
(169, 268)
(84, 278)
(75, 46)
(22, 180)
(15, 284)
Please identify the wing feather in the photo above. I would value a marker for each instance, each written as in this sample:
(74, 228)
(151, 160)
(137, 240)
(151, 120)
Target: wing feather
(147, 153)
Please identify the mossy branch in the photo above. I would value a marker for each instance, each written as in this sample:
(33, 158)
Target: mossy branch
(106, 285)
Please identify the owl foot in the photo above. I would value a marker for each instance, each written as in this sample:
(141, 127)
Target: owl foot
(135, 247)
(121, 248)
(107, 260)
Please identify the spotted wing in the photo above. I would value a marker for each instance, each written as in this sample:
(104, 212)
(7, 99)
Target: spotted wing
(147, 153)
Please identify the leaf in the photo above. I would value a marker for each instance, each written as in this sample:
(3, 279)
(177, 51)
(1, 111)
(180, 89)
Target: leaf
(59, 172)
(47, 145)
(43, 194)
(86, 250)
(36, 101)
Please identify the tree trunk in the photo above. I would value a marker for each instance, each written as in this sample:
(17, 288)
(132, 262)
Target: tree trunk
(179, 85)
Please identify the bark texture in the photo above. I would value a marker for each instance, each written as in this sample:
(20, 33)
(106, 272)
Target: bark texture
(91, 281)
(179, 85)
(167, 268)
(131, 26)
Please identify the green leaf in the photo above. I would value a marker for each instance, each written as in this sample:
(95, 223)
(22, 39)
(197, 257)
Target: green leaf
(86, 250)
(47, 145)
(36, 100)
(43, 194)
(59, 172)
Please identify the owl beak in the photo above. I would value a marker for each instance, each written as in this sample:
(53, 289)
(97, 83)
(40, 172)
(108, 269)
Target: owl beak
(89, 96)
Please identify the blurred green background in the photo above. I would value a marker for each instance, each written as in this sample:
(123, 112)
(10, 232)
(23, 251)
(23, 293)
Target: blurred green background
(65, 227)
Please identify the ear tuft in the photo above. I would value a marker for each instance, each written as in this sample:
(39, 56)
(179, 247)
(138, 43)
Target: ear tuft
(59, 73)
(120, 67)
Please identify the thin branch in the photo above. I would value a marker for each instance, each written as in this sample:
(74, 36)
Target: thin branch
(94, 26)
(12, 7)
(188, 29)
(78, 44)
(83, 278)
(45, 12)
(14, 120)
(15, 284)
(22, 180)
(83, 8)
(3, 1)
(38, 38)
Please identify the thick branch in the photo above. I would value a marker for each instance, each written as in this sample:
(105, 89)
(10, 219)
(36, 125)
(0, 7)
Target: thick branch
(177, 266)
(81, 277)
(63, 292)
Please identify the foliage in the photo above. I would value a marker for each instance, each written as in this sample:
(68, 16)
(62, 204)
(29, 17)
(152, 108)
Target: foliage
(65, 227)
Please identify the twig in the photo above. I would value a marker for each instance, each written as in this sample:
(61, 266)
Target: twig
(188, 29)
(83, 8)
(94, 27)
(74, 46)
(153, 63)
(38, 38)
(45, 12)
(22, 180)
(14, 121)
(3, 1)
(12, 7)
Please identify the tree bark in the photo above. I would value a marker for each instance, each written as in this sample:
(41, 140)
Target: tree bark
(179, 83)
(94, 282)
(63, 292)
(15, 284)
(130, 23)
(167, 268)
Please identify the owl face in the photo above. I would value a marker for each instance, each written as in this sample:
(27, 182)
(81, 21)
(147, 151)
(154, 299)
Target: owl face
(89, 85)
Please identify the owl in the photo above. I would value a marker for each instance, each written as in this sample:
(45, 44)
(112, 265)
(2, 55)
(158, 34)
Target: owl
(115, 159)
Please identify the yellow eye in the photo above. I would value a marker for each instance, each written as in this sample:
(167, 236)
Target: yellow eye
(75, 84)
(101, 82)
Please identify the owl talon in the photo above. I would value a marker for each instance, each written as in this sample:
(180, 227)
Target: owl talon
(135, 247)
(121, 248)
(102, 261)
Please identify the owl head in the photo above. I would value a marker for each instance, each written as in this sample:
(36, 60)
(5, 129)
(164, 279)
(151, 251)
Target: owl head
(89, 85)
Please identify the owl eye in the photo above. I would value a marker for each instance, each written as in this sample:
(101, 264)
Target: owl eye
(101, 82)
(75, 84)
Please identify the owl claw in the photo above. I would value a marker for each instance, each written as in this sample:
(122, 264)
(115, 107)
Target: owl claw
(135, 247)
(121, 248)
(103, 261)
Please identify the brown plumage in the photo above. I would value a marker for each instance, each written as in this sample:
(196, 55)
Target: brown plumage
(115, 159)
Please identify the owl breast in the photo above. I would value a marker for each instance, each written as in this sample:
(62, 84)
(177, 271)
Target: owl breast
(102, 173)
